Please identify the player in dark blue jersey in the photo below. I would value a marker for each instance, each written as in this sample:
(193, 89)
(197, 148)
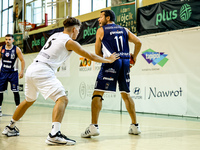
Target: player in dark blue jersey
(9, 55)
(113, 38)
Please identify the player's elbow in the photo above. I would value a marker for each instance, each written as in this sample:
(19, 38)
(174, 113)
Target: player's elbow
(138, 43)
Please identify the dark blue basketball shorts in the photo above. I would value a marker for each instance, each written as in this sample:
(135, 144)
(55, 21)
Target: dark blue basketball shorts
(110, 74)
(11, 77)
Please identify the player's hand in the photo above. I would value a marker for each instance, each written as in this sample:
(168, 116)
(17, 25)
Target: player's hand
(113, 57)
(21, 74)
(132, 60)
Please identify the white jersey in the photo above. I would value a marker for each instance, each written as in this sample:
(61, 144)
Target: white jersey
(54, 52)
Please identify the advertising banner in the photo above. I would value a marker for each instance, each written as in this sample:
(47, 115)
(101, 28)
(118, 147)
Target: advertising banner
(87, 35)
(164, 80)
(125, 16)
(18, 40)
(17, 14)
(35, 42)
(166, 16)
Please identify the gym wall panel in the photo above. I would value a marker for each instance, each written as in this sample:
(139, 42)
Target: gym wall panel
(165, 79)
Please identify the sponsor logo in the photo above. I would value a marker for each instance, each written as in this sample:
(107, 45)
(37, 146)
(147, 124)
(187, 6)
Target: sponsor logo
(153, 92)
(109, 79)
(82, 90)
(7, 54)
(116, 32)
(110, 70)
(185, 14)
(7, 61)
(85, 64)
(136, 91)
(107, 85)
(155, 57)
(7, 66)
(12, 55)
(39, 42)
(89, 32)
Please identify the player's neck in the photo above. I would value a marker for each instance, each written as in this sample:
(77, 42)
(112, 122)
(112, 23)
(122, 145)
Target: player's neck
(9, 47)
(110, 22)
(69, 33)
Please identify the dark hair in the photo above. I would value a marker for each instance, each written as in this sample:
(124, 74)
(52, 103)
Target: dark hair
(9, 35)
(71, 21)
(109, 13)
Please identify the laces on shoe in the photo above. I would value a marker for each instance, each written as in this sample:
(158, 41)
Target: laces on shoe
(58, 134)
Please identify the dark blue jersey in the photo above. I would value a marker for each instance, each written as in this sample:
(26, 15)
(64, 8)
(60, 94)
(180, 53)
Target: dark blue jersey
(8, 59)
(115, 40)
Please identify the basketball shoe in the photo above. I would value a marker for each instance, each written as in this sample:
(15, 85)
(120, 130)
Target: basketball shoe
(1, 113)
(134, 129)
(92, 130)
(59, 138)
(11, 131)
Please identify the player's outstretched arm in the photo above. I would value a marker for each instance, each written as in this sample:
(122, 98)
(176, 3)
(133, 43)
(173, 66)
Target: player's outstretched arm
(76, 47)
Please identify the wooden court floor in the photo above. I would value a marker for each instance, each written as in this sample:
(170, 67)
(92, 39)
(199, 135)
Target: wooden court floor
(158, 132)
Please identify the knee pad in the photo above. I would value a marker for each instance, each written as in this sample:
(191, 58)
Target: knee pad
(97, 96)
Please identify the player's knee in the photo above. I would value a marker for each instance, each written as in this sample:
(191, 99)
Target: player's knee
(30, 99)
(63, 99)
(99, 96)
(126, 96)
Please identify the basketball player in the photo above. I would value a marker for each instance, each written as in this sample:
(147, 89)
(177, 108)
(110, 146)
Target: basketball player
(9, 55)
(112, 38)
(40, 77)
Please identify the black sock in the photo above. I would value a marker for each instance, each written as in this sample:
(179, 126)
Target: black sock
(17, 98)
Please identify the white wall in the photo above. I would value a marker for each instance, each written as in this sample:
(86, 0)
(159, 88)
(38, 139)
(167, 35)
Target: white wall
(169, 89)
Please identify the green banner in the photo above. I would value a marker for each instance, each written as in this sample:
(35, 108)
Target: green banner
(125, 16)
(18, 40)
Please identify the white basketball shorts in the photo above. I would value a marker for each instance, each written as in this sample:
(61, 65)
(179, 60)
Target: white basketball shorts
(41, 78)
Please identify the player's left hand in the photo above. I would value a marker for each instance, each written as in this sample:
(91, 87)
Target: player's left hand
(132, 60)
(21, 74)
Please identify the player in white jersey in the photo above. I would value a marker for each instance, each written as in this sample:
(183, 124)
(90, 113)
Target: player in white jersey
(40, 77)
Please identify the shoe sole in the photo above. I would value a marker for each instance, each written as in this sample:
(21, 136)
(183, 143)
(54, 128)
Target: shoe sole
(134, 133)
(9, 135)
(89, 136)
(54, 143)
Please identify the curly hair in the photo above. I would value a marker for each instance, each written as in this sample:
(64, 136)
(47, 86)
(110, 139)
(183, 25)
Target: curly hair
(109, 13)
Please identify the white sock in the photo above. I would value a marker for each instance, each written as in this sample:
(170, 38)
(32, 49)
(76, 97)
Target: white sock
(55, 127)
(12, 123)
(0, 107)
